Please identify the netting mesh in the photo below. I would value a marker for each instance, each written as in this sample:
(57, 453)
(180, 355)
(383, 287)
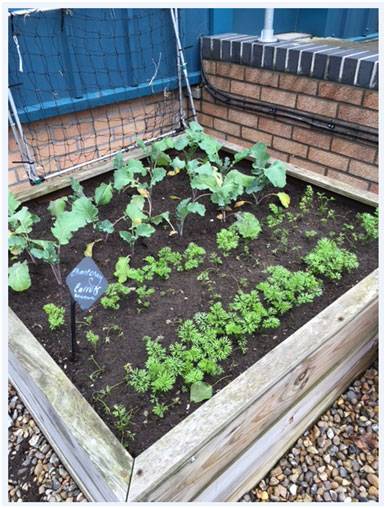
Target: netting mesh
(89, 82)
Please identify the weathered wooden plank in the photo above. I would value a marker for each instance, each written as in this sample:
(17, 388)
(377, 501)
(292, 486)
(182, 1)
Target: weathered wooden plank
(180, 464)
(93, 455)
(325, 182)
(251, 467)
(61, 181)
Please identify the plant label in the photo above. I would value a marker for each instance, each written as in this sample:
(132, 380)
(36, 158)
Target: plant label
(86, 283)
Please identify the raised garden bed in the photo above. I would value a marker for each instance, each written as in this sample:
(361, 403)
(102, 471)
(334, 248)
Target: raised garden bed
(274, 383)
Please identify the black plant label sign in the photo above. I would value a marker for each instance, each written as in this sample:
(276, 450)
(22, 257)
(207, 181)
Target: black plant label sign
(86, 283)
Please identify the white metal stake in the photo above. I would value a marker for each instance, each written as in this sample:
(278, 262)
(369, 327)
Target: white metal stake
(16, 126)
(182, 112)
(183, 65)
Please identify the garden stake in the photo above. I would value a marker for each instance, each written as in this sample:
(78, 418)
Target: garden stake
(73, 330)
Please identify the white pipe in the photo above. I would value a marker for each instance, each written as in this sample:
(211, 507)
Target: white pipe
(183, 64)
(109, 155)
(267, 32)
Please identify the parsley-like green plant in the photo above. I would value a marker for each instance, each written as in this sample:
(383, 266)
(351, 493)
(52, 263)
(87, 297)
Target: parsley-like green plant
(247, 225)
(370, 223)
(123, 422)
(92, 338)
(55, 315)
(329, 260)
(227, 239)
(143, 294)
(276, 217)
(113, 294)
(306, 201)
(284, 289)
(192, 257)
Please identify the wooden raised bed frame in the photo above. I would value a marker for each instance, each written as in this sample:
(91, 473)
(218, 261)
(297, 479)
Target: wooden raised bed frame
(231, 441)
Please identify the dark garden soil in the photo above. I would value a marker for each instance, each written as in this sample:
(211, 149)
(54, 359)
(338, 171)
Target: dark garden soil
(177, 298)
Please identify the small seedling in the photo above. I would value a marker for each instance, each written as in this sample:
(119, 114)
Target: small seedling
(227, 239)
(55, 315)
(92, 338)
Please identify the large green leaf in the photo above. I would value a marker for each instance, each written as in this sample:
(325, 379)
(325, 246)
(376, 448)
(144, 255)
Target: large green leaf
(177, 163)
(181, 142)
(22, 221)
(200, 391)
(276, 174)
(261, 156)
(243, 154)
(211, 147)
(105, 226)
(103, 194)
(85, 210)
(158, 174)
(145, 230)
(77, 187)
(134, 209)
(16, 244)
(122, 269)
(18, 276)
(126, 175)
(65, 226)
(247, 225)
(46, 251)
(195, 127)
(58, 206)
(186, 206)
(128, 237)
(161, 217)
(13, 203)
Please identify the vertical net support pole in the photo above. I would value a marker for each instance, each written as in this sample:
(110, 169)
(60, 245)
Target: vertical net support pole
(17, 130)
(179, 75)
(182, 63)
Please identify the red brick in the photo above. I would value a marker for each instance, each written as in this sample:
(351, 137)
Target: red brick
(328, 159)
(340, 93)
(238, 141)
(230, 70)
(291, 147)
(209, 66)
(317, 106)
(12, 177)
(227, 127)
(220, 83)
(262, 76)
(278, 97)
(205, 120)
(298, 84)
(374, 188)
(370, 100)
(277, 154)
(357, 115)
(206, 96)
(311, 137)
(256, 136)
(245, 89)
(366, 171)
(275, 127)
(306, 164)
(214, 109)
(356, 150)
(243, 118)
(346, 178)
(216, 134)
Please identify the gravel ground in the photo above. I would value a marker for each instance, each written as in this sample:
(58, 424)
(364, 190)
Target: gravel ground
(35, 472)
(335, 460)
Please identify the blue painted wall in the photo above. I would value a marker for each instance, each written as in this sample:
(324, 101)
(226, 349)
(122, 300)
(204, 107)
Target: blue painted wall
(342, 23)
(83, 58)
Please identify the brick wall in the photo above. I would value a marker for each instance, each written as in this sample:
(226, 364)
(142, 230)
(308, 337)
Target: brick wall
(64, 141)
(338, 157)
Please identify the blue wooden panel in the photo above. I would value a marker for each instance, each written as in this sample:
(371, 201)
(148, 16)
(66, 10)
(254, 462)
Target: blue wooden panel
(83, 58)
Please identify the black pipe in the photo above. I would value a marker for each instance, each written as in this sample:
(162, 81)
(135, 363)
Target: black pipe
(324, 124)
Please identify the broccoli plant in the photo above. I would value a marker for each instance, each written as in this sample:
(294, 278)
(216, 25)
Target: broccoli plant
(20, 224)
(329, 260)
(185, 208)
(19, 278)
(138, 220)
